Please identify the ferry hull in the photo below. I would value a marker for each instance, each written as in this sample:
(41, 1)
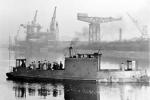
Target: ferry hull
(42, 79)
(63, 77)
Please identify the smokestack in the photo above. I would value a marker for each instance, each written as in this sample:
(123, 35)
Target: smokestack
(70, 51)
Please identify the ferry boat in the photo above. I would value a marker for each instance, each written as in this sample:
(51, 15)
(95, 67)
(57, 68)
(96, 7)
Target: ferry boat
(79, 66)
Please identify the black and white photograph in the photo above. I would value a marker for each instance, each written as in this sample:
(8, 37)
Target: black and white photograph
(74, 49)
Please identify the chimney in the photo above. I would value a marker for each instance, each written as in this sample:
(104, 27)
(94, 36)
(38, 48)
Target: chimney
(70, 52)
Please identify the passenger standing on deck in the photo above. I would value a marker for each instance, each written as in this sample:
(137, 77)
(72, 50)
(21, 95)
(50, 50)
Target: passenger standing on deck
(61, 65)
(54, 65)
(49, 65)
(44, 65)
(34, 65)
(23, 64)
(39, 65)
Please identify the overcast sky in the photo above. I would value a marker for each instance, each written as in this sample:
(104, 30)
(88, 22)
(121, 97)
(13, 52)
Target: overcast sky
(16, 12)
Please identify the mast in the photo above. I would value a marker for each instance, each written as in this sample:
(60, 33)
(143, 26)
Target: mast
(9, 49)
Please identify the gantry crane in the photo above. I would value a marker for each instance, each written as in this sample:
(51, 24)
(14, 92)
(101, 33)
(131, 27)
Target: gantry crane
(94, 25)
(142, 29)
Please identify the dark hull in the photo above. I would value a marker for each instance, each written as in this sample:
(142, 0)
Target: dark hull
(32, 78)
(10, 76)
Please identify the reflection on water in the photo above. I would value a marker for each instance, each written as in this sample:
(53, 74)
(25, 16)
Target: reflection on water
(35, 90)
(81, 91)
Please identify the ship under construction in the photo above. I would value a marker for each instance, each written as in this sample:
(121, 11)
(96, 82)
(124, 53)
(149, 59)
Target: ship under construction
(34, 36)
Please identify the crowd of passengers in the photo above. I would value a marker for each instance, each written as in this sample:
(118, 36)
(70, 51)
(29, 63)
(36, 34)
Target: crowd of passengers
(45, 65)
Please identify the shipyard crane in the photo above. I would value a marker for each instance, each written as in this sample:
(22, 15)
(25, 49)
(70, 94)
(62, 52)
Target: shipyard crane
(34, 19)
(94, 25)
(141, 29)
(33, 22)
(33, 27)
(54, 25)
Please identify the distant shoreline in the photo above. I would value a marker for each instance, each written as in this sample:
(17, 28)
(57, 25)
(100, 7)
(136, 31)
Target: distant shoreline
(127, 54)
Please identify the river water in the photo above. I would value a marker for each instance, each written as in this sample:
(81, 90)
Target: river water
(11, 90)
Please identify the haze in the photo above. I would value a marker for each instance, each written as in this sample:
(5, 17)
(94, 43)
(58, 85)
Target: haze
(16, 12)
